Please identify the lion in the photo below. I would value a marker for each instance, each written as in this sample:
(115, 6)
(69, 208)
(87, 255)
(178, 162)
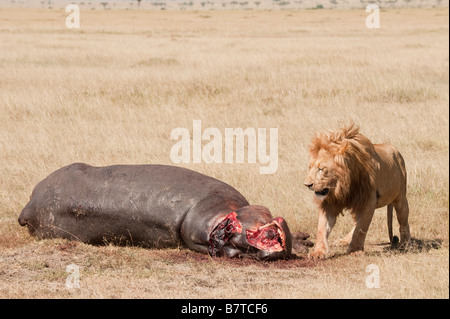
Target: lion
(348, 172)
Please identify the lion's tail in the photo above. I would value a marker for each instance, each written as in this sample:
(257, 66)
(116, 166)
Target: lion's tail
(393, 239)
(390, 209)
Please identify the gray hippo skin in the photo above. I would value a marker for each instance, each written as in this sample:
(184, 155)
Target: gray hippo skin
(153, 206)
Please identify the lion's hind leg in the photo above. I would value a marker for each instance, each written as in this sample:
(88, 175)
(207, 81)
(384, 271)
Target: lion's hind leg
(402, 209)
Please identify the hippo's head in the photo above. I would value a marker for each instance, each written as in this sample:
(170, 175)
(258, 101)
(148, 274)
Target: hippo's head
(251, 231)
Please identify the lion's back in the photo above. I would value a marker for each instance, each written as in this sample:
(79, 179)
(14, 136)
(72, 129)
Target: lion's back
(390, 156)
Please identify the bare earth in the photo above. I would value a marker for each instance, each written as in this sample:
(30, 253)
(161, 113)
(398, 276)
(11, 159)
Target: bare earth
(112, 91)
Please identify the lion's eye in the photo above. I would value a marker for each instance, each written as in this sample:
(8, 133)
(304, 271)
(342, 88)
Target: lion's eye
(322, 170)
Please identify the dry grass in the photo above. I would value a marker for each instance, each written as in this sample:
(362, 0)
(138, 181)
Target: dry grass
(112, 92)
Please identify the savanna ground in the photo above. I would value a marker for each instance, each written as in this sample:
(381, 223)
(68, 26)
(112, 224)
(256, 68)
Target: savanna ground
(112, 91)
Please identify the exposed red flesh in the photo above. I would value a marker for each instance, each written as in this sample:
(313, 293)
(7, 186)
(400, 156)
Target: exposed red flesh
(222, 233)
(269, 237)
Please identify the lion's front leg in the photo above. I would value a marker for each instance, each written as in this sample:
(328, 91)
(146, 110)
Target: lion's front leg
(345, 241)
(326, 223)
(348, 238)
(363, 220)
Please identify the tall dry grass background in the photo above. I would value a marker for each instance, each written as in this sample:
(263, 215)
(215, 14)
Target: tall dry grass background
(112, 91)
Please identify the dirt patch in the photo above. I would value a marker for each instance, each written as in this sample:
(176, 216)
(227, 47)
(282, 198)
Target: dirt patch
(293, 262)
(67, 246)
(187, 256)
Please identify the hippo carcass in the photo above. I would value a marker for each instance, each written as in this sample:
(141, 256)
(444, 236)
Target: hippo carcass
(153, 206)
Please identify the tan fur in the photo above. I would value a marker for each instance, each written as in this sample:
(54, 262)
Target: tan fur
(347, 171)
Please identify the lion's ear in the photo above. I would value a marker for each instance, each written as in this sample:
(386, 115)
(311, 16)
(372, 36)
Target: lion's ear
(343, 147)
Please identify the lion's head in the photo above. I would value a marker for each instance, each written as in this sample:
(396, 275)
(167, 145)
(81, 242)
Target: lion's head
(341, 171)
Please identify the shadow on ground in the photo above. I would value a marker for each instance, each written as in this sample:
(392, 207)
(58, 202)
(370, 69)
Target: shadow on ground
(415, 245)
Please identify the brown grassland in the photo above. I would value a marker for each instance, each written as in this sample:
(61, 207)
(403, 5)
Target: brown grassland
(112, 91)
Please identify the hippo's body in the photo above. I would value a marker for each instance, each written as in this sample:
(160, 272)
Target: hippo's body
(153, 206)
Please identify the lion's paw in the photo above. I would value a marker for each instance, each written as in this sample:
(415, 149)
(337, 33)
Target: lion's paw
(357, 253)
(341, 243)
(317, 254)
